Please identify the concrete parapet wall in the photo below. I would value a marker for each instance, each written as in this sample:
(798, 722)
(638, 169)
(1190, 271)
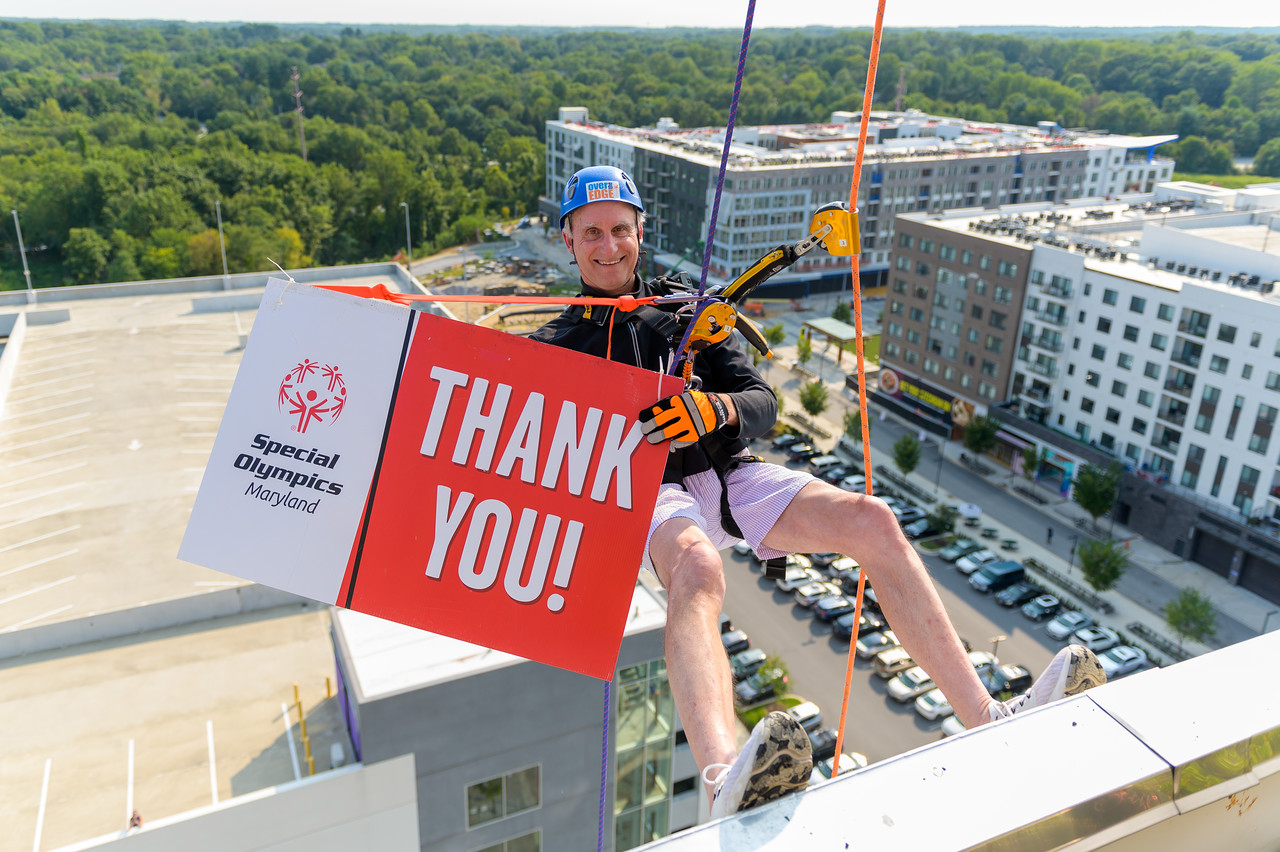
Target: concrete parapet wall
(140, 619)
(15, 327)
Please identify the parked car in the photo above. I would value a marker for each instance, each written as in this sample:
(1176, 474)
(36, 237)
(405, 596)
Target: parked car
(890, 662)
(922, 527)
(735, 641)
(952, 726)
(875, 642)
(1042, 607)
(849, 585)
(810, 593)
(742, 549)
(1096, 639)
(797, 576)
(856, 483)
(761, 686)
(807, 714)
(824, 769)
(909, 684)
(837, 473)
(802, 451)
(959, 547)
(995, 576)
(845, 566)
(1122, 660)
(1067, 623)
(824, 743)
(869, 622)
(910, 514)
(832, 607)
(975, 560)
(822, 560)
(1006, 681)
(933, 705)
(786, 439)
(746, 663)
(1018, 594)
(825, 462)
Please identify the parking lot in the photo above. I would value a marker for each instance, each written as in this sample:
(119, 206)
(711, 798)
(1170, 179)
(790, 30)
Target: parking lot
(876, 725)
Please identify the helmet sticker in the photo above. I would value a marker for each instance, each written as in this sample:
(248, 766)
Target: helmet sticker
(602, 190)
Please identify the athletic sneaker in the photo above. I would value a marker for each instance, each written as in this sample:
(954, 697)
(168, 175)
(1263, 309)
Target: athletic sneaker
(777, 759)
(1074, 669)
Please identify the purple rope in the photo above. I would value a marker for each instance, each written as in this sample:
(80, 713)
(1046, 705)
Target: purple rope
(604, 764)
(724, 163)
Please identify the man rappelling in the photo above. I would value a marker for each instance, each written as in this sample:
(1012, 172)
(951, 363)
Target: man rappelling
(714, 493)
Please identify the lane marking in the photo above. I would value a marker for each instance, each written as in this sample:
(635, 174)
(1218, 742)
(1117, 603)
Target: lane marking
(72, 552)
(44, 440)
(213, 769)
(75, 389)
(65, 354)
(198, 435)
(15, 546)
(128, 796)
(288, 735)
(37, 589)
(53, 472)
(47, 456)
(58, 511)
(46, 424)
(41, 494)
(53, 381)
(44, 798)
(34, 618)
(13, 416)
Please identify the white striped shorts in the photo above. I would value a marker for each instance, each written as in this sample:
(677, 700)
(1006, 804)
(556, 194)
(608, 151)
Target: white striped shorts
(759, 492)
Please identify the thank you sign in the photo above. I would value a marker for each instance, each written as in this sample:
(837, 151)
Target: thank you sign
(434, 473)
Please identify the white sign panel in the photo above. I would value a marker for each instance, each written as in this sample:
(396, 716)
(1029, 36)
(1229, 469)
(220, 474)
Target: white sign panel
(286, 483)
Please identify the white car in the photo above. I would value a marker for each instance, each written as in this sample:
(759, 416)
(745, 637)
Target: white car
(1096, 639)
(933, 705)
(873, 643)
(907, 685)
(742, 548)
(974, 561)
(952, 726)
(856, 483)
(810, 593)
(848, 763)
(1122, 660)
(808, 715)
(797, 577)
(1067, 623)
(845, 565)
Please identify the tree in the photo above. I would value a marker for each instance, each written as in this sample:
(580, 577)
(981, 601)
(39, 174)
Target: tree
(980, 433)
(813, 397)
(853, 424)
(782, 403)
(1191, 615)
(1267, 161)
(842, 312)
(1096, 488)
(87, 254)
(907, 452)
(1032, 461)
(775, 333)
(944, 519)
(804, 349)
(1102, 561)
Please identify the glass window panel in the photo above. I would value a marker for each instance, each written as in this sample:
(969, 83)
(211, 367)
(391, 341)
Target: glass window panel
(631, 673)
(630, 780)
(631, 715)
(522, 790)
(657, 773)
(626, 831)
(484, 802)
(656, 822)
(531, 842)
(662, 710)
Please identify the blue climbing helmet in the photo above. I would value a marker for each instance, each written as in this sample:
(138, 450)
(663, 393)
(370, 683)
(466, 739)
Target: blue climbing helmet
(598, 183)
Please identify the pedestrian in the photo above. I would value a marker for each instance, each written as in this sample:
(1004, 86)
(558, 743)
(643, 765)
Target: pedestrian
(1048, 536)
(135, 821)
(714, 494)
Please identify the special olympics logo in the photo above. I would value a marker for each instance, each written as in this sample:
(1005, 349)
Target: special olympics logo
(313, 392)
(888, 381)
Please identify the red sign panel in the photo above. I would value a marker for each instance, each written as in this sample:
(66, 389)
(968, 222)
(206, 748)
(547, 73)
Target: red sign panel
(513, 497)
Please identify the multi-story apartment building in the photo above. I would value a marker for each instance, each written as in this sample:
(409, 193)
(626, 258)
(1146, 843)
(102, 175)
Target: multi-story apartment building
(777, 176)
(1146, 334)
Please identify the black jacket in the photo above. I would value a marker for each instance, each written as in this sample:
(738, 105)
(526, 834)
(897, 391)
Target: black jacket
(723, 368)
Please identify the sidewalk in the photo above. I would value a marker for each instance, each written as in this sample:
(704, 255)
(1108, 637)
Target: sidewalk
(1159, 573)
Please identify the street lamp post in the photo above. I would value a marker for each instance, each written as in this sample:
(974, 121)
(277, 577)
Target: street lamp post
(22, 250)
(408, 242)
(222, 243)
(1072, 563)
(1268, 618)
(995, 643)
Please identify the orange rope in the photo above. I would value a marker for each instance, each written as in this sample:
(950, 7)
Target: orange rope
(386, 294)
(867, 96)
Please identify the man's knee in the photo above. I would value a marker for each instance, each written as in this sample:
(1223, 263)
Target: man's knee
(685, 558)
(872, 516)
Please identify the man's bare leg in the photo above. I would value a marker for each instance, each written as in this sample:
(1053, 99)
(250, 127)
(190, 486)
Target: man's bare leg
(823, 518)
(691, 571)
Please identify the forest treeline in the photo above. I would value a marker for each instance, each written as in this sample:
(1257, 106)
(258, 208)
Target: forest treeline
(117, 140)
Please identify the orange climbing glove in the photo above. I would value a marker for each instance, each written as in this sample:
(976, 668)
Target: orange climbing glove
(683, 418)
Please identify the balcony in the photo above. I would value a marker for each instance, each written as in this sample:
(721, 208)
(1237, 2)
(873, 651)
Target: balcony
(1178, 387)
(1051, 344)
(1176, 416)
(1167, 445)
(1052, 318)
(1056, 291)
(1039, 394)
(1047, 370)
(1189, 359)
(1194, 329)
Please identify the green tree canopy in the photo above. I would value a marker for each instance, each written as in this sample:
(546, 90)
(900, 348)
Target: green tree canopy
(1102, 561)
(804, 349)
(1096, 488)
(1268, 160)
(1191, 615)
(906, 453)
(980, 434)
(813, 397)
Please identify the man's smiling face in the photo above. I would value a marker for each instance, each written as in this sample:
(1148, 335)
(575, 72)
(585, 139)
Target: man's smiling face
(605, 240)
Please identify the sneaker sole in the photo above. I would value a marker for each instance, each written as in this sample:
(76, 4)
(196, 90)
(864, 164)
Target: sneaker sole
(782, 763)
(1083, 671)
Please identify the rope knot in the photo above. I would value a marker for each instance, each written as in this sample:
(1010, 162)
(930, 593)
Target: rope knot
(627, 304)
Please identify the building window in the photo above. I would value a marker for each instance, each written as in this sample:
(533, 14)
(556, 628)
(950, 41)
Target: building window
(1113, 415)
(994, 344)
(1119, 388)
(1152, 370)
(1218, 364)
(1109, 296)
(926, 246)
(531, 842)
(946, 252)
(966, 257)
(984, 262)
(1159, 341)
(976, 311)
(1093, 379)
(1165, 312)
(906, 240)
(646, 742)
(1099, 352)
(1086, 405)
(1246, 372)
(497, 798)
(997, 319)
(1145, 398)
(1255, 339)
(1125, 361)
(1137, 304)
(1227, 333)
(1273, 381)
(1104, 325)
(1131, 333)
(1139, 426)
(1008, 269)
(1244, 490)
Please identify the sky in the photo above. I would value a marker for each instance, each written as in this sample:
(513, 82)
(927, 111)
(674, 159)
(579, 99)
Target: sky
(675, 13)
